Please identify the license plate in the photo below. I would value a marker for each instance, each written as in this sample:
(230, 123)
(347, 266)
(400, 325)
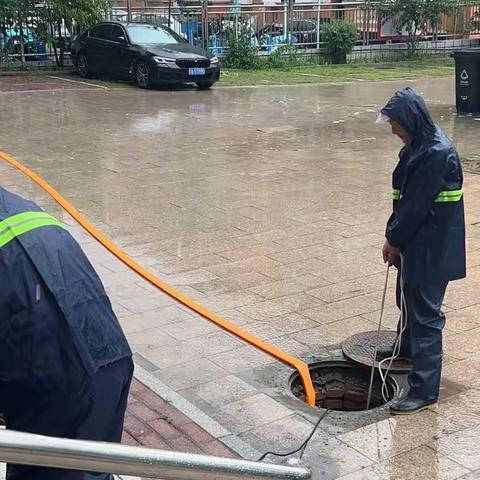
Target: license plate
(196, 71)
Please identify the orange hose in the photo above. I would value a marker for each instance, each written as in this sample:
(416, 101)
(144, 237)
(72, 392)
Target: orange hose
(296, 363)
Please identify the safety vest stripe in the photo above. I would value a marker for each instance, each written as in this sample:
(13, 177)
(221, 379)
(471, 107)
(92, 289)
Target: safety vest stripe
(445, 196)
(21, 218)
(25, 226)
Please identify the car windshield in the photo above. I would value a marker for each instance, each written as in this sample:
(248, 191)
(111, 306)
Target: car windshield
(143, 35)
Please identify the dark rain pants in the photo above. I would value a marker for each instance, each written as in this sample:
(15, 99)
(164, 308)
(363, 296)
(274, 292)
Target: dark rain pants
(422, 339)
(98, 416)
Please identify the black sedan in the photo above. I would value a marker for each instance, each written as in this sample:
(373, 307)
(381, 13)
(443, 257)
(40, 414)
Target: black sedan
(148, 53)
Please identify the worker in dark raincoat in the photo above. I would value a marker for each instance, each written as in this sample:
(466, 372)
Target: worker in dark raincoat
(425, 239)
(65, 365)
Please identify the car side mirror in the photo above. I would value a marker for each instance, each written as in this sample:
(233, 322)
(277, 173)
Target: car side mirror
(121, 39)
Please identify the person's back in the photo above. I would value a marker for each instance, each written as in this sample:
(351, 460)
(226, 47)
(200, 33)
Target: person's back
(58, 335)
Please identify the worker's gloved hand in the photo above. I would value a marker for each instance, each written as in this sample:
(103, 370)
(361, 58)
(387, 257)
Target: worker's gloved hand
(390, 254)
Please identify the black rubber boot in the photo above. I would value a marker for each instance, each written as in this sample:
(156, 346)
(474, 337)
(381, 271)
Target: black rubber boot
(409, 406)
(387, 352)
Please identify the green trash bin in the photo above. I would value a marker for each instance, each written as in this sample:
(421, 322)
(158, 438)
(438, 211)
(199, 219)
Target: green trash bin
(467, 80)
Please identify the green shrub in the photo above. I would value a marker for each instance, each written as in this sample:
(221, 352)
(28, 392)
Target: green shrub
(284, 56)
(241, 52)
(339, 38)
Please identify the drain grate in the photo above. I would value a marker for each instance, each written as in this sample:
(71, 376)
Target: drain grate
(342, 386)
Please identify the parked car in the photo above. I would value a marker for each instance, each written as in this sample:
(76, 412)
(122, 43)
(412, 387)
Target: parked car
(150, 54)
(33, 47)
(302, 32)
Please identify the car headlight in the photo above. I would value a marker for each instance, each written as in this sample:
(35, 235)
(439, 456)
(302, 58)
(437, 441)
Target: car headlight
(164, 61)
(214, 61)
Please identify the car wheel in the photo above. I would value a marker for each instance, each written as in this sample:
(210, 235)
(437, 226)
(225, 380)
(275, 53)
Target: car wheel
(82, 66)
(143, 75)
(204, 85)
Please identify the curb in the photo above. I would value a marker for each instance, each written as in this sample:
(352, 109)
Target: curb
(211, 426)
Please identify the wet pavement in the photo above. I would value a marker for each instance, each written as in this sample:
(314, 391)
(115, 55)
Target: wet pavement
(10, 84)
(267, 206)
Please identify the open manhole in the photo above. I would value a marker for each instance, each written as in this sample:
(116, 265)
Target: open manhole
(342, 386)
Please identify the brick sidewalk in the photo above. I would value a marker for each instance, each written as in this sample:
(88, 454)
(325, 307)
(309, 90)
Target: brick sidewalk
(152, 422)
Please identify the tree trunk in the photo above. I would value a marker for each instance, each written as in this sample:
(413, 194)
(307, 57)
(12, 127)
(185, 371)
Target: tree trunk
(61, 44)
(339, 58)
(22, 46)
(3, 37)
(52, 34)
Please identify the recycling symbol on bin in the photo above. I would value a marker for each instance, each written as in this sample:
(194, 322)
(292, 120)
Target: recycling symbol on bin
(464, 75)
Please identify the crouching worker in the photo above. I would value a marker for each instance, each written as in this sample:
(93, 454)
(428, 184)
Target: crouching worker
(65, 365)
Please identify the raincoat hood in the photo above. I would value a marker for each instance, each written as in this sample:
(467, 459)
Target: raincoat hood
(408, 109)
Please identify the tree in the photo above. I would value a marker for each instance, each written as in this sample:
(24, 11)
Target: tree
(413, 16)
(18, 15)
(475, 22)
(61, 16)
(433, 11)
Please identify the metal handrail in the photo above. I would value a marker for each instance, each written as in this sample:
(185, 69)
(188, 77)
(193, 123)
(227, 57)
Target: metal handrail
(29, 449)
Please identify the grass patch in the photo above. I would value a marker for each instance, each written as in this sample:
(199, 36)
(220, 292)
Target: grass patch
(344, 73)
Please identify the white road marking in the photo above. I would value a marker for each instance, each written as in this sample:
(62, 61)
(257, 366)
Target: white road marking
(78, 81)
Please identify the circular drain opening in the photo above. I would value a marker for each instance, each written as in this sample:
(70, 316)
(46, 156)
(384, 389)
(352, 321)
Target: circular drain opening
(343, 386)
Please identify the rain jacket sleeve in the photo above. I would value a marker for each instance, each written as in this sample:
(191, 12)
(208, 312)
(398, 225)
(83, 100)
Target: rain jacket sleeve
(425, 182)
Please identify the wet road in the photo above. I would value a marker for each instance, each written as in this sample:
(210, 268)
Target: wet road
(266, 205)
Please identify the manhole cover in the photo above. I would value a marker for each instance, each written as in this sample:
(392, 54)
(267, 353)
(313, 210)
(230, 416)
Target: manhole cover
(360, 349)
(339, 385)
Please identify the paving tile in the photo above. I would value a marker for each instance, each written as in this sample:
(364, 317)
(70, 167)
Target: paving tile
(190, 374)
(190, 328)
(330, 458)
(335, 332)
(461, 447)
(289, 286)
(228, 300)
(421, 462)
(145, 304)
(257, 264)
(190, 278)
(389, 320)
(280, 306)
(233, 315)
(183, 444)
(244, 358)
(312, 239)
(364, 240)
(246, 280)
(463, 372)
(349, 289)
(214, 343)
(251, 412)
(327, 313)
(224, 390)
(396, 435)
(290, 345)
(150, 339)
(217, 449)
(301, 254)
(464, 319)
(169, 355)
(286, 434)
(243, 253)
(462, 408)
(143, 411)
(312, 266)
(463, 293)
